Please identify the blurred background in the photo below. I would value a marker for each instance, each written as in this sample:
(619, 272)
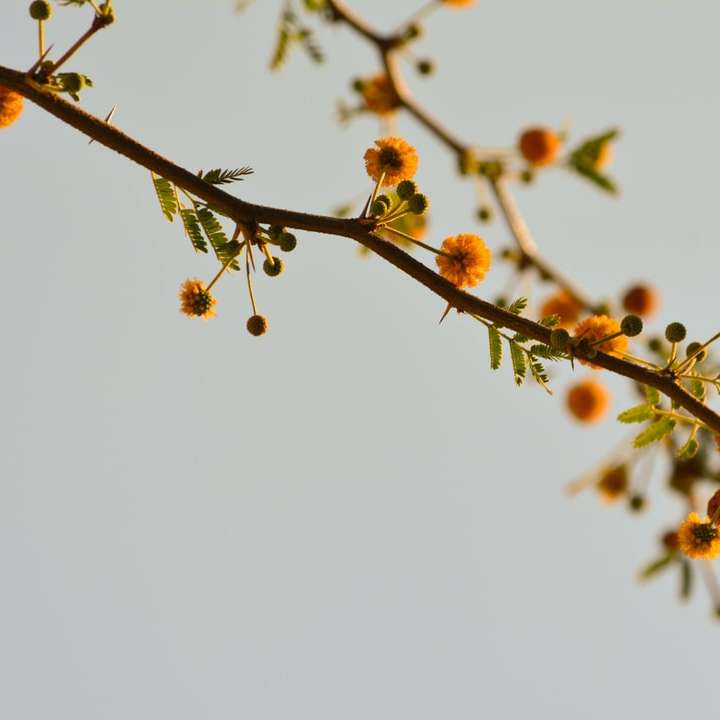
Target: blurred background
(352, 516)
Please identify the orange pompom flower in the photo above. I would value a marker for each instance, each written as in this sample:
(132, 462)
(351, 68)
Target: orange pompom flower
(539, 146)
(640, 300)
(466, 260)
(564, 306)
(195, 300)
(597, 327)
(699, 539)
(588, 400)
(393, 158)
(11, 106)
(379, 95)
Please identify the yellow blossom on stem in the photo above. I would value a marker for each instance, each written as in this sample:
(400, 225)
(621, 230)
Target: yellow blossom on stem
(393, 160)
(379, 96)
(196, 300)
(465, 261)
(11, 105)
(699, 539)
(597, 327)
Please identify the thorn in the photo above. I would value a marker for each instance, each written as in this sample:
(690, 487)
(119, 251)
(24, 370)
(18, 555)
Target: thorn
(39, 61)
(445, 314)
(108, 119)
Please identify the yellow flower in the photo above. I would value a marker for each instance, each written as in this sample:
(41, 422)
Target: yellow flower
(394, 158)
(539, 146)
(699, 538)
(588, 401)
(599, 326)
(379, 96)
(11, 105)
(195, 300)
(469, 260)
(561, 304)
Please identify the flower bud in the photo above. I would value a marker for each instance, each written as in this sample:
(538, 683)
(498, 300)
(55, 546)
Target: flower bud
(274, 268)
(257, 325)
(406, 189)
(418, 204)
(675, 332)
(288, 241)
(631, 325)
(40, 10)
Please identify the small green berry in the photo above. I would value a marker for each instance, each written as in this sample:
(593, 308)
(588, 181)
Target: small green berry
(257, 325)
(418, 204)
(288, 241)
(274, 268)
(692, 348)
(378, 208)
(559, 339)
(675, 332)
(484, 213)
(406, 189)
(40, 10)
(425, 67)
(631, 325)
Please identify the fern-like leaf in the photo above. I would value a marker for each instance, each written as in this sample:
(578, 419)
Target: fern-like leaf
(518, 306)
(166, 196)
(496, 350)
(517, 355)
(639, 413)
(192, 229)
(216, 235)
(218, 176)
(654, 432)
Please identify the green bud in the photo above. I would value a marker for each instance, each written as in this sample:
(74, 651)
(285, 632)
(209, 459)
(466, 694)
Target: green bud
(274, 231)
(637, 503)
(257, 325)
(692, 348)
(72, 82)
(40, 10)
(655, 344)
(559, 339)
(418, 204)
(484, 213)
(288, 241)
(675, 332)
(274, 268)
(631, 325)
(425, 67)
(406, 189)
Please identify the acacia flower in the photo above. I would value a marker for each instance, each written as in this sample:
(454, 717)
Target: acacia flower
(466, 260)
(597, 327)
(195, 300)
(539, 146)
(587, 400)
(379, 95)
(394, 158)
(11, 105)
(613, 483)
(640, 300)
(699, 539)
(563, 305)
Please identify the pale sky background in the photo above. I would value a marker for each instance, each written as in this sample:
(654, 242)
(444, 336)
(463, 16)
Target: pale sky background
(352, 517)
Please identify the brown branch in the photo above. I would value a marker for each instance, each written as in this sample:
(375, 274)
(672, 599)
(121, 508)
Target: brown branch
(359, 229)
(388, 47)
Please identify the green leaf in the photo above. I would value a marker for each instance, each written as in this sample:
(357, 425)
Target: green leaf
(216, 235)
(696, 387)
(655, 567)
(538, 372)
(496, 350)
(218, 176)
(520, 338)
(652, 395)
(689, 449)
(192, 229)
(550, 321)
(517, 355)
(654, 432)
(597, 178)
(686, 579)
(545, 351)
(639, 413)
(518, 306)
(166, 195)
